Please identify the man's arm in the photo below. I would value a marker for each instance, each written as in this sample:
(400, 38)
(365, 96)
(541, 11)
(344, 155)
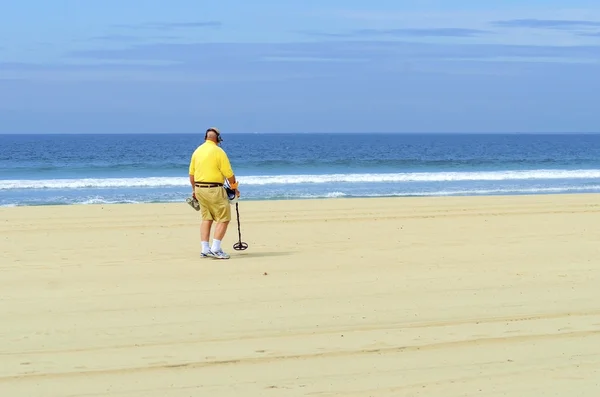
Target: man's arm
(191, 172)
(234, 185)
(192, 182)
(225, 167)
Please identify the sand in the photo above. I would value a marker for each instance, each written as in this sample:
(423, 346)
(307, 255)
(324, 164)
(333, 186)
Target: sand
(489, 296)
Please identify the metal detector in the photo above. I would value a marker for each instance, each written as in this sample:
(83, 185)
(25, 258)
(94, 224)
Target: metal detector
(240, 245)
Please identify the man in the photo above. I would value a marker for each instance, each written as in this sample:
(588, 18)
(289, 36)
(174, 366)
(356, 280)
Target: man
(209, 167)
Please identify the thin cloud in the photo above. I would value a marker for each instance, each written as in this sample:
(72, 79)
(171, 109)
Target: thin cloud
(107, 66)
(382, 51)
(115, 37)
(129, 38)
(407, 32)
(251, 62)
(172, 25)
(422, 32)
(546, 23)
(322, 34)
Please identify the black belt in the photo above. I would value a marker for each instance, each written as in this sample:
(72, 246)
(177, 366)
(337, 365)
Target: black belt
(208, 184)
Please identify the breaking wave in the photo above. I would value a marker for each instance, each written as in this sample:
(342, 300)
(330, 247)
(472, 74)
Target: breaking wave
(152, 182)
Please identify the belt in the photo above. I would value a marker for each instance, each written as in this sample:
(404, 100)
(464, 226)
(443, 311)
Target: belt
(208, 184)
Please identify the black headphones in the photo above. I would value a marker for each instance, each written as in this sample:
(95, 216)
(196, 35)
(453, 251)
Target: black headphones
(219, 139)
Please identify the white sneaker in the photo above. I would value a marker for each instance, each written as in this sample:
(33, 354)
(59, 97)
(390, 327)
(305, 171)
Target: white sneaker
(218, 255)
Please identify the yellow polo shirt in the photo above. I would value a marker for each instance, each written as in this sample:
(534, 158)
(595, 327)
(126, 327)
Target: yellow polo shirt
(209, 163)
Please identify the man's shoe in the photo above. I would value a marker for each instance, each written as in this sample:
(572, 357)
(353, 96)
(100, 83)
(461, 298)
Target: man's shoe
(219, 255)
(193, 203)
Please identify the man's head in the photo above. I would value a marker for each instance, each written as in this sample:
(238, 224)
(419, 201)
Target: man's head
(213, 134)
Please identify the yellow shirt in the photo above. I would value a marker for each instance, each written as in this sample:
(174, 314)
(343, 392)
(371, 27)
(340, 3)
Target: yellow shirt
(209, 163)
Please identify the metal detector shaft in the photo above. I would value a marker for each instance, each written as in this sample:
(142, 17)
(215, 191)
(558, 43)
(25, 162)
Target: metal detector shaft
(237, 213)
(239, 246)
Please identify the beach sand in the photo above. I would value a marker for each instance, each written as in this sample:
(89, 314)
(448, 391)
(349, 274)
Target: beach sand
(445, 296)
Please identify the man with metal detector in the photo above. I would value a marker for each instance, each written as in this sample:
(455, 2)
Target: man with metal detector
(209, 167)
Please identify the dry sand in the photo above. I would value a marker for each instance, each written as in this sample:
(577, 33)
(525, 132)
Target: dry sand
(496, 296)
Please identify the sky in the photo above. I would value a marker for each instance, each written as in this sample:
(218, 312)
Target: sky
(180, 66)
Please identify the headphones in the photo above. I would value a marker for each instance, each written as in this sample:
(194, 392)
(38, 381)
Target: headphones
(219, 139)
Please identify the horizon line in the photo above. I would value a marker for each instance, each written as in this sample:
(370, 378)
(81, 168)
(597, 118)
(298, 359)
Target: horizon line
(309, 133)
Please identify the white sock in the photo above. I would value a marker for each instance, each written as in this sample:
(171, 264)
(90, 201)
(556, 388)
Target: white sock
(216, 245)
(205, 247)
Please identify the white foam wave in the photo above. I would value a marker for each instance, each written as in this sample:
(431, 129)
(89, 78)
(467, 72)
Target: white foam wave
(93, 183)
(292, 195)
(423, 177)
(306, 179)
(466, 192)
(99, 200)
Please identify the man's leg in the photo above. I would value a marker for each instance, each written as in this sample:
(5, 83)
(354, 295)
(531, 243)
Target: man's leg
(220, 230)
(205, 235)
(207, 221)
(221, 210)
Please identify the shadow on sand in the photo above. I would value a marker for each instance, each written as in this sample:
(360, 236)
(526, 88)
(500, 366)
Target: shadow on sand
(246, 254)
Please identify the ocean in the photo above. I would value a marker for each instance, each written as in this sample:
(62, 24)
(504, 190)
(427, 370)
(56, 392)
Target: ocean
(88, 169)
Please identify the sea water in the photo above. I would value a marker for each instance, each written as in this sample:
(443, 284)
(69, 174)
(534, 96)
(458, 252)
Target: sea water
(85, 169)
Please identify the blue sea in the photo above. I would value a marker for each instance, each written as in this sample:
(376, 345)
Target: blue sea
(88, 169)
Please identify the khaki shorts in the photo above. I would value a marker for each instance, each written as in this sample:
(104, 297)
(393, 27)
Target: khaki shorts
(214, 204)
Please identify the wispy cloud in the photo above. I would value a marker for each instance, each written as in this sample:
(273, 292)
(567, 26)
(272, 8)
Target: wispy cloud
(171, 25)
(546, 23)
(129, 38)
(228, 53)
(435, 32)
(179, 62)
(406, 32)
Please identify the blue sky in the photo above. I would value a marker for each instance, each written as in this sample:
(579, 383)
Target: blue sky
(282, 66)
